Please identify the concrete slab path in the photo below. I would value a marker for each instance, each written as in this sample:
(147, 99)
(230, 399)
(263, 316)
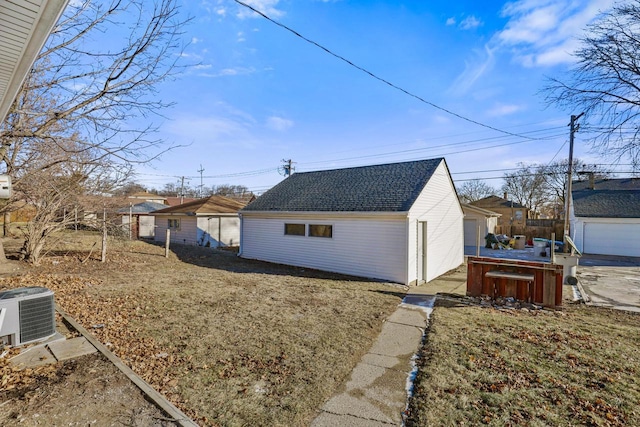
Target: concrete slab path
(376, 394)
(53, 351)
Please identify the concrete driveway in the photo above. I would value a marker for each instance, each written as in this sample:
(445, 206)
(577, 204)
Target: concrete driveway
(611, 281)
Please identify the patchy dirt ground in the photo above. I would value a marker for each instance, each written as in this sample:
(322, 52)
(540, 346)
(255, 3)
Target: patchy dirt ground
(82, 392)
(228, 341)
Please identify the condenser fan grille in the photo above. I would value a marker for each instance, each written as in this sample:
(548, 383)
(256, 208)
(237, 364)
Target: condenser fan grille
(37, 318)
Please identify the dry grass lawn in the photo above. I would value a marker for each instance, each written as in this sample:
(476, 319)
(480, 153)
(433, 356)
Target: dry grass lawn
(230, 341)
(580, 366)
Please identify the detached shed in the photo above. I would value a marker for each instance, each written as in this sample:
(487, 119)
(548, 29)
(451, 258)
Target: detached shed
(137, 219)
(400, 222)
(212, 221)
(475, 217)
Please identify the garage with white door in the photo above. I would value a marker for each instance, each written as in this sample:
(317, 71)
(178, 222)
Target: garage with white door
(605, 216)
(475, 217)
(612, 239)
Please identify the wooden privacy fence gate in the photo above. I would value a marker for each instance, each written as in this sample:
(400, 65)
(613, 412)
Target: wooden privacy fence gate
(531, 281)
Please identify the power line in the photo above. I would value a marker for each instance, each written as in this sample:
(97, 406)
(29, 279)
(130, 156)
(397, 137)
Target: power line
(436, 155)
(364, 70)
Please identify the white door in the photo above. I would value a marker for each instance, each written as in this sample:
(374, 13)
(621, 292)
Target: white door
(470, 231)
(422, 251)
(612, 239)
(147, 224)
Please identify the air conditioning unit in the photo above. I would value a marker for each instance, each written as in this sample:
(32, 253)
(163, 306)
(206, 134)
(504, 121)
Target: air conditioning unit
(26, 315)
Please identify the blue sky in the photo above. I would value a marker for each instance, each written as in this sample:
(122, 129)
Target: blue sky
(259, 94)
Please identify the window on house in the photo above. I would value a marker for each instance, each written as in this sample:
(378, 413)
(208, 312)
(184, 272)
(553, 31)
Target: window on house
(320, 230)
(174, 224)
(294, 229)
(518, 215)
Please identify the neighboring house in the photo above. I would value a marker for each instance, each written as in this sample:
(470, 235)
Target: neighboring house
(605, 216)
(212, 222)
(400, 222)
(512, 213)
(146, 197)
(475, 217)
(175, 201)
(137, 220)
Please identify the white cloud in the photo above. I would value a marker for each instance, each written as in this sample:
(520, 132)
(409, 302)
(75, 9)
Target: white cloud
(207, 128)
(451, 21)
(546, 32)
(279, 123)
(538, 33)
(227, 72)
(470, 22)
(504, 110)
(221, 12)
(202, 66)
(473, 71)
(268, 7)
(241, 37)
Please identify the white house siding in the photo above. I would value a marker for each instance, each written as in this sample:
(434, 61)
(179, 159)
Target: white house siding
(186, 234)
(471, 222)
(471, 231)
(371, 247)
(146, 224)
(607, 236)
(438, 205)
(216, 231)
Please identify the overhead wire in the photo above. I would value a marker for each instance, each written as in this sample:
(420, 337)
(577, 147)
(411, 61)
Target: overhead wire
(375, 76)
(429, 148)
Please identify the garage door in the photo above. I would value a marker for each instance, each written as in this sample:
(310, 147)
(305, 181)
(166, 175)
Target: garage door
(612, 239)
(470, 231)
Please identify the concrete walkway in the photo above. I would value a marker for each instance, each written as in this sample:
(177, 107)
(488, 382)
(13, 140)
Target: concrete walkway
(376, 394)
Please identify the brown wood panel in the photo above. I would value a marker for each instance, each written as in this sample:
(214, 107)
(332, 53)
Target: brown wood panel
(546, 288)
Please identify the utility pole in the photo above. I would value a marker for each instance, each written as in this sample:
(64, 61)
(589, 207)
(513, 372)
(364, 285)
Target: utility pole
(181, 189)
(288, 167)
(567, 202)
(201, 185)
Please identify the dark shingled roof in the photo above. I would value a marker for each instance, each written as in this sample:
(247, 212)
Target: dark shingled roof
(392, 187)
(609, 198)
(496, 202)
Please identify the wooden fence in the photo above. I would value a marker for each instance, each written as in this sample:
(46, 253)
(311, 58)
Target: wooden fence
(531, 231)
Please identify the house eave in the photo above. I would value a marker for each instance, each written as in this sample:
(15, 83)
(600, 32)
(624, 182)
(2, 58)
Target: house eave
(325, 214)
(49, 12)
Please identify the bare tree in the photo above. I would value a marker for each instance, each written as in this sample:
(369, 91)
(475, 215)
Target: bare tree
(605, 82)
(526, 186)
(473, 190)
(555, 175)
(77, 115)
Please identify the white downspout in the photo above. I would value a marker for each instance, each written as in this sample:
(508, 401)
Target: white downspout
(241, 234)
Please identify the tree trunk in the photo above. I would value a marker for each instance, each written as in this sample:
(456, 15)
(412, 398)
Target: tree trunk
(7, 224)
(3, 257)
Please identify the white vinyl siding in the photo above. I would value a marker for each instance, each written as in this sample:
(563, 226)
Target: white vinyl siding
(607, 236)
(185, 235)
(218, 231)
(146, 225)
(214, 232)
(471, 232)
(374, 248)
(438, 206)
